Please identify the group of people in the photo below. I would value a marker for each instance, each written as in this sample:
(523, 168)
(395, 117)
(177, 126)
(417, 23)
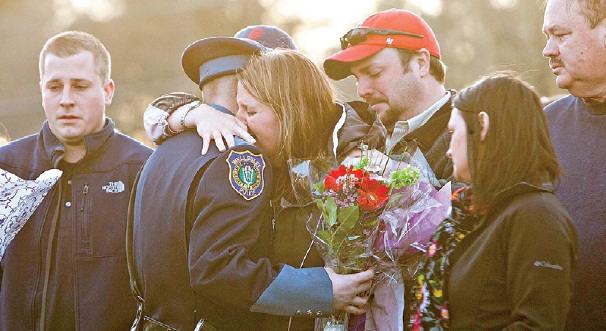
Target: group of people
(216, 238)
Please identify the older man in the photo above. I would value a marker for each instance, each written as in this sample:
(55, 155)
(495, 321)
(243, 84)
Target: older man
(576, 48)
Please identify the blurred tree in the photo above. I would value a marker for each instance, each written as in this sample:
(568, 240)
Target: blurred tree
(478, 37)
(145, 38)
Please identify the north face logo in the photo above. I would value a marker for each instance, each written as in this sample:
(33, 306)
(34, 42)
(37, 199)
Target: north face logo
(114, 187)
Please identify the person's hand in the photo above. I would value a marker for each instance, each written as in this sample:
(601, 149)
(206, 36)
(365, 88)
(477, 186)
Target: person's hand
(212, 124)
(349, 291)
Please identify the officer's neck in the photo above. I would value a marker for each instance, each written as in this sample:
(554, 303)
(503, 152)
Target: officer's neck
(222, 91)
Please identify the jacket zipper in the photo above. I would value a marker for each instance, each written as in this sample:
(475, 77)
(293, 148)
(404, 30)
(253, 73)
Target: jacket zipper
(273, 234)
(85, 223)
(48, 258)
(273, 228)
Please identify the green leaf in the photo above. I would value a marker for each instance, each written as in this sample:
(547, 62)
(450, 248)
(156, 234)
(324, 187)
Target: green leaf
(338, 239)
(348, 217)
(324, 235)
(330, 211)
(319, 186)
(404, 177)
(364, 162)
(320, 204)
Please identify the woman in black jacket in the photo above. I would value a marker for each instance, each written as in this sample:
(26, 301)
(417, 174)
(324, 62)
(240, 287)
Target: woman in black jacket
(506, 256)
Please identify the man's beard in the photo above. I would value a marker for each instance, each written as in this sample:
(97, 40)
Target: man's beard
(389, 118)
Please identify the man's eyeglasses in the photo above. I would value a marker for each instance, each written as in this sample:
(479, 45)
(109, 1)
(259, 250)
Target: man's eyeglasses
(358, 35)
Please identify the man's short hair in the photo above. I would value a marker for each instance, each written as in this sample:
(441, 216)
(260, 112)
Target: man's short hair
(594, 11)
(71, 43)
(437, 68)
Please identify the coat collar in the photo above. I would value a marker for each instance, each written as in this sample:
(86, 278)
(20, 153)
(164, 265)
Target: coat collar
(426, 135)
(93, 142)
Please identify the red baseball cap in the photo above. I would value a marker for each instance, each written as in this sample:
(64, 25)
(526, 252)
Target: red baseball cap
(394, 28)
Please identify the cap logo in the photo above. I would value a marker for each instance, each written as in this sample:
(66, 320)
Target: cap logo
(246, 173)
(255, 33)
(389, 41)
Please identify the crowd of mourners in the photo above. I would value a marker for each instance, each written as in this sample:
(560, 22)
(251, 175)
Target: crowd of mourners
(206, 231)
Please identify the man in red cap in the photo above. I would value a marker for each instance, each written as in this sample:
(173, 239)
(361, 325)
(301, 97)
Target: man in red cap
(395, 58)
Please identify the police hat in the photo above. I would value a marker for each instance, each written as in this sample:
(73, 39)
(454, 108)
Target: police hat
(213, 57)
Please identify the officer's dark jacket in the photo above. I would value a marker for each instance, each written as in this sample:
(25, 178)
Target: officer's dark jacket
(196, 240)
(201, 248)
(101, 285)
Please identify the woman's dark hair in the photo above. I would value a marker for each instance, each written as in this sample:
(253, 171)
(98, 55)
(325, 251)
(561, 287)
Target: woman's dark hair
(517, 147)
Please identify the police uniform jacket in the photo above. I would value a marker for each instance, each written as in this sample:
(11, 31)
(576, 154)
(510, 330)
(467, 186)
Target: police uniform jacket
(95, 217)
(201, 241)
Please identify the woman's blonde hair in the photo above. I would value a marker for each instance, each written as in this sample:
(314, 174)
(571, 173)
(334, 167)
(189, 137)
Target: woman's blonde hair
(300, 95)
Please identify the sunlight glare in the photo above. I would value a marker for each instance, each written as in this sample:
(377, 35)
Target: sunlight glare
(324, 22)
(99, 10)
(429, 7)
(504, 4)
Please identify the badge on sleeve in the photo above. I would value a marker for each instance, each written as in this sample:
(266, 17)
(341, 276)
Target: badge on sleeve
(246, 173)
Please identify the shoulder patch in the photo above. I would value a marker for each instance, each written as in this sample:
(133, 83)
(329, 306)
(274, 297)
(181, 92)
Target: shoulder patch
(246, 173)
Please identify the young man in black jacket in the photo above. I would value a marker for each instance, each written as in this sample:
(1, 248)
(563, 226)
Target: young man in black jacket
(66, 269)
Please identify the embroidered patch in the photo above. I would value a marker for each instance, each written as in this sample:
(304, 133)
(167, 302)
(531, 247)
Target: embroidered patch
(246, 173)
(113, 187)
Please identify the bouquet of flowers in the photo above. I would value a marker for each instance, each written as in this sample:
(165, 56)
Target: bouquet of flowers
(375, 212)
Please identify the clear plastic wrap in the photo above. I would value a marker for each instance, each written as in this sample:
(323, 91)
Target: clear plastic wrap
(376, 212)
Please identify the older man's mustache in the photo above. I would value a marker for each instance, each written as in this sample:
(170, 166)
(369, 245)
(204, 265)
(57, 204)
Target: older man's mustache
(555, 61)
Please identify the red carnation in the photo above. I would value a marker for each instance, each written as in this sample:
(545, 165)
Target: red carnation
(341, 176)
(373, 194)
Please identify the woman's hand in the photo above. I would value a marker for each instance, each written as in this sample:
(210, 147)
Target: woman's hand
(211, 124)
(346, 290)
